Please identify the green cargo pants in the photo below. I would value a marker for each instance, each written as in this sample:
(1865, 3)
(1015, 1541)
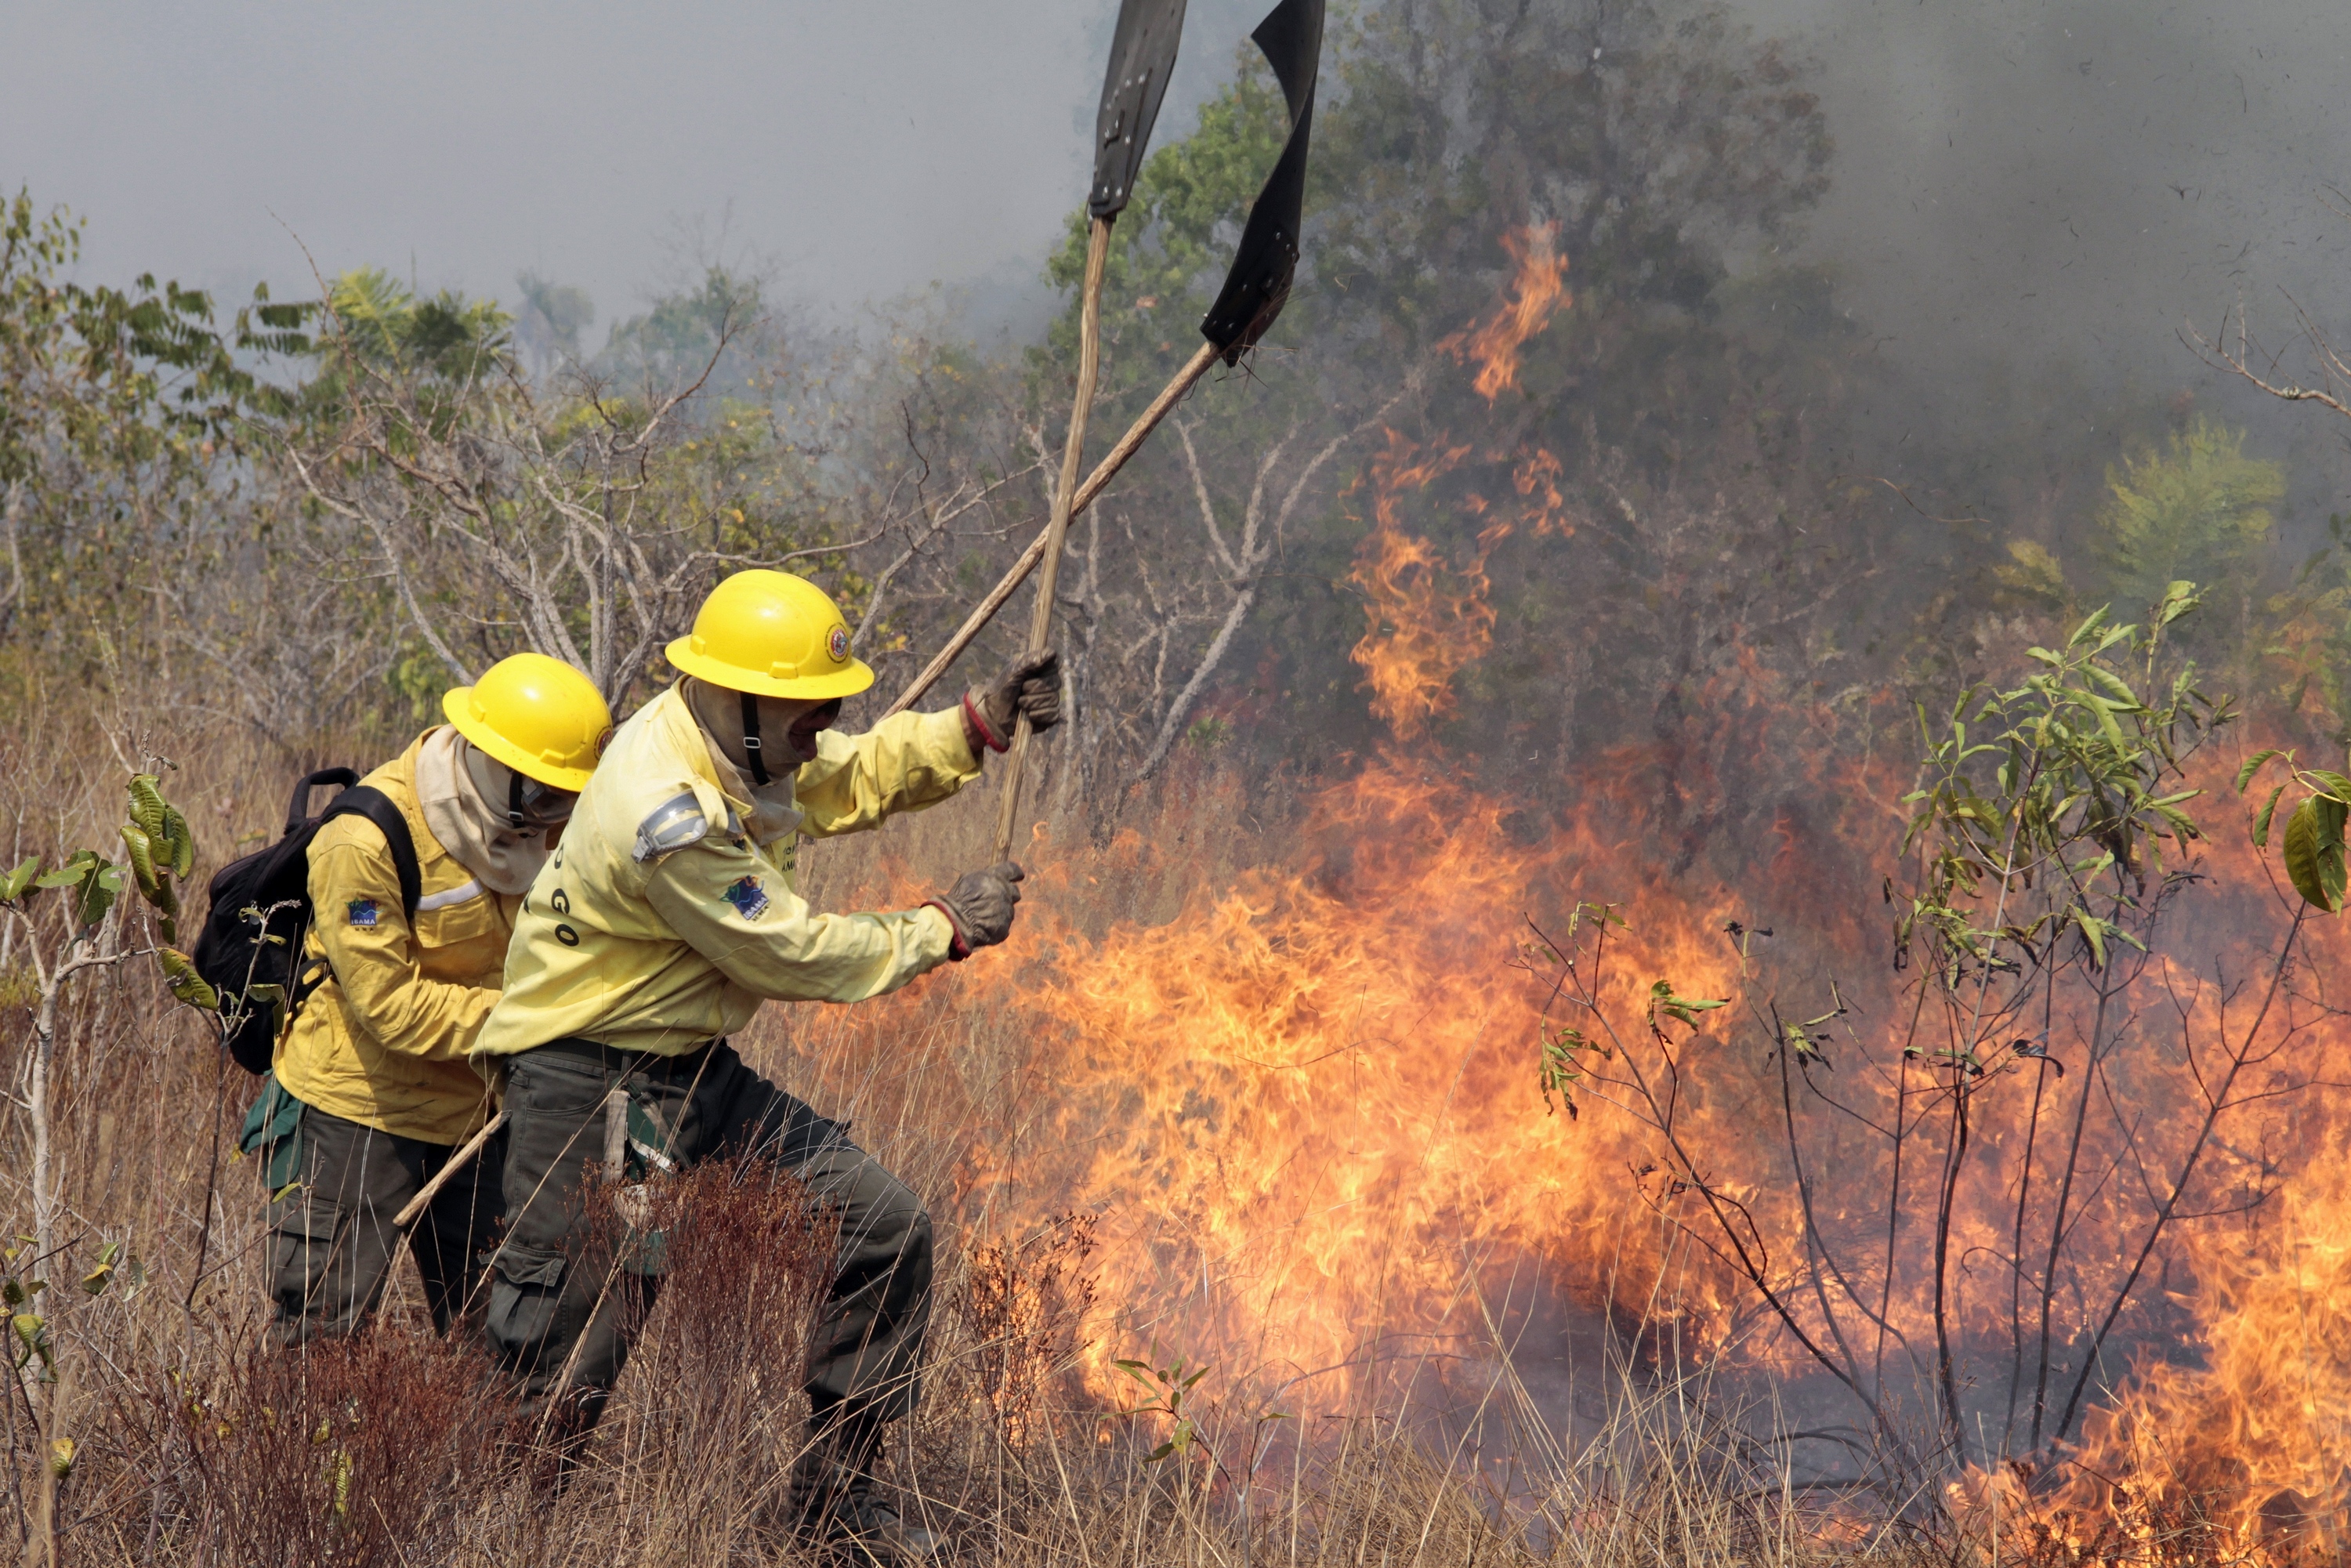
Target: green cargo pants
(552, 1305)
(331, 1241)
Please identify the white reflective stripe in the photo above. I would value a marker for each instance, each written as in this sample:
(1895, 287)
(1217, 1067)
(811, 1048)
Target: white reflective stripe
(431, 900)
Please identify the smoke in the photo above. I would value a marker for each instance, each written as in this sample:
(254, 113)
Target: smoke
(2032, 195)
(2015, 184)
(2073, 177)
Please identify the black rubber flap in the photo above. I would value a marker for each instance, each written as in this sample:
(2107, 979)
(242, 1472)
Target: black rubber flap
(1142, 58)
(1259, 284)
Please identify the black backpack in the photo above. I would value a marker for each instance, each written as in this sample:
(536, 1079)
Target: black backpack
(250, 951)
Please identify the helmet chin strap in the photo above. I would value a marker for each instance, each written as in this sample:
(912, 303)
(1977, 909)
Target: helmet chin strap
(514, 797)
(751, 747)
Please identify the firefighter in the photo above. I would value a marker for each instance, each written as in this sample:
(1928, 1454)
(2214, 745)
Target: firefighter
(657, 929)
(372, 1086)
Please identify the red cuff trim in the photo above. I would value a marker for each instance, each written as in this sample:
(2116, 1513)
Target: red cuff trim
(979, 722)
(957, 949)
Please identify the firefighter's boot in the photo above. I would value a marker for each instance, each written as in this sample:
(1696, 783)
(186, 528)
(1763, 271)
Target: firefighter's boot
(836, 1502)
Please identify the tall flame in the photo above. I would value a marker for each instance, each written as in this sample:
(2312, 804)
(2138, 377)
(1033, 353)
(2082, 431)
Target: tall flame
(1305, 1107)
(1425, 622)
(1537, 290)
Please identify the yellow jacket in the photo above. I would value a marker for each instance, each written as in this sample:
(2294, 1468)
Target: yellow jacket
(383, 1042)
(661, 922)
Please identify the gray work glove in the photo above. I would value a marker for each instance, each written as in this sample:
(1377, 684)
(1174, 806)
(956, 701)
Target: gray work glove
(980, 907)
(1030, 685)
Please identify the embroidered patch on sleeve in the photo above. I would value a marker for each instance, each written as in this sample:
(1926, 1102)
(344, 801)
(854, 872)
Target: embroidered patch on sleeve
(362, 911)
(750, 901)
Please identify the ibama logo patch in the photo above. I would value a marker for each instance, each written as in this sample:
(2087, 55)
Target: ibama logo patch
(749, 899)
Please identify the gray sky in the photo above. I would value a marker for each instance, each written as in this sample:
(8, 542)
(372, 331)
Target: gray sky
(862, 151)
(2016, 179)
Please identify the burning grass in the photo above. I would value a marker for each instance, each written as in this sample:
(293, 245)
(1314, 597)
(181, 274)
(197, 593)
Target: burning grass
(1258, 1096)
(1260, 1240)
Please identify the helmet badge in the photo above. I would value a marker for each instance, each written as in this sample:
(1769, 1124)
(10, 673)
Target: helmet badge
(836, 642)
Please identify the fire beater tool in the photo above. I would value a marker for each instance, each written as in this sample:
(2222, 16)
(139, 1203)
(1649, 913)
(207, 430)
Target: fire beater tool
(1142, 57)
(1255, 289)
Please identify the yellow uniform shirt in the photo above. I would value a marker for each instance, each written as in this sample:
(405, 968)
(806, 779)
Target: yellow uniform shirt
(659, 924)
(383, 1042)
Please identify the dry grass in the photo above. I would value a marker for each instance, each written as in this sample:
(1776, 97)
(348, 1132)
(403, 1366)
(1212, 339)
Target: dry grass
(193, 1446)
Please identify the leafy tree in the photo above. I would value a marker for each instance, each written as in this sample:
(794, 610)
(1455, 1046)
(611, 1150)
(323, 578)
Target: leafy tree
(121, 416)
(681, 337)
(447, 336)
(2199, 508)
(551, 319)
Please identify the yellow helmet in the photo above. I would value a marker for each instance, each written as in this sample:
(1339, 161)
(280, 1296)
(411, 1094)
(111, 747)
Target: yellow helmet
(773, 634)
(538, 715)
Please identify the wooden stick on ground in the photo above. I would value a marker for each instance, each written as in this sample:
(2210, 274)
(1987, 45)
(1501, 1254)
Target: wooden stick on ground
(1096, 482)
(416, 1207)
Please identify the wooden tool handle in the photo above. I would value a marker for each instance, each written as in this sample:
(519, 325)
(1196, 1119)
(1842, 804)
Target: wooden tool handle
(1065, 496)
(415, 1206)
(1096, 482)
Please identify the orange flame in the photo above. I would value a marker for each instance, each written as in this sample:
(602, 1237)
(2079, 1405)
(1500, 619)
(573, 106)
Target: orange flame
(1305, 1107)
(1536, 477)
(1537, 291)
(1424, 623)
(1308, 1104)
(2259, 1433)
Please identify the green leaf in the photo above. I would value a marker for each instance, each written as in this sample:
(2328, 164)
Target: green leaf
(2178, 598)
(2262, 819)
(2253, 765)
(2313, 851)
(2113, 686)
(98, 894)
(180, 841)
(147, 805)
(13, 885)
(1682, 1009)
(179, 975)
(34, 1332)
(2113, 732)
(142, 849)
(2094, 933)
(2330, 783)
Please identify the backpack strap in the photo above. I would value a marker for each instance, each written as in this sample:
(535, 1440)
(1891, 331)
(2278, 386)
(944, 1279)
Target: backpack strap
(297, 811)
(364, 800)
